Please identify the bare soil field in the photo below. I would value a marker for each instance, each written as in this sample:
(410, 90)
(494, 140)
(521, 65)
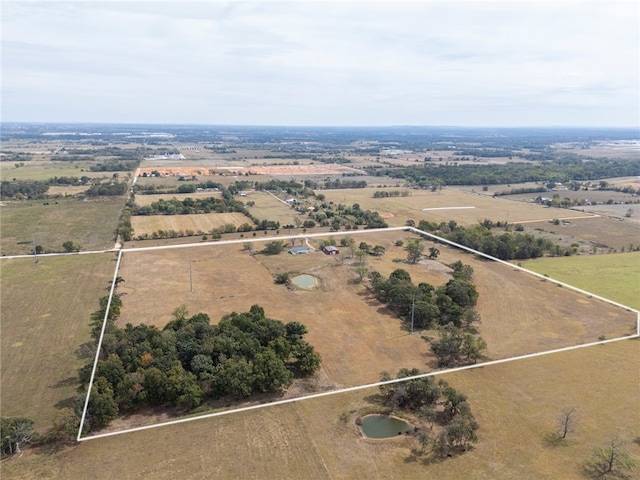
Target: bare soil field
(202, 222)
(45, 314)
(356, 335)
(516, 405)
(400, 209)
(606, 233)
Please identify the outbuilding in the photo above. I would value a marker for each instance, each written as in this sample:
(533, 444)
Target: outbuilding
(330, 250)
(298, 250)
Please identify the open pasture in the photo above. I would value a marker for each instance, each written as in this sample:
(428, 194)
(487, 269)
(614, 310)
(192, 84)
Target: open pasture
(604, 232)
(45, 169)
(355, 334)
(50, 223)
(616, 277)
(397, 210)
(201, 222)
(45, 313)
(516, 405)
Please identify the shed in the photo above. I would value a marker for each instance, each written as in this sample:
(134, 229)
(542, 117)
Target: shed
(330, 250)
(298, 250)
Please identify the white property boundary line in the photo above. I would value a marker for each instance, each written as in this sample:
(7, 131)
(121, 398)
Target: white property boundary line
(349, 389)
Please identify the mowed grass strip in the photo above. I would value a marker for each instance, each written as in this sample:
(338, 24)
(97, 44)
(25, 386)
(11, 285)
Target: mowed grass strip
(45, 314)
(411, 207)
(92, 223)
(615, 276)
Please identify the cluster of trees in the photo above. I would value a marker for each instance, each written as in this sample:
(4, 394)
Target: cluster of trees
(337, 183)
(115, 166)
(551, 171)
(189, 206)
(107, 189)
(453, 302)
(190, 360)
(336, 216)
(14, 433)
(521, 190)
(21, 190)
(441, 405)
(393, 193)
(450, 308)
(506, 246)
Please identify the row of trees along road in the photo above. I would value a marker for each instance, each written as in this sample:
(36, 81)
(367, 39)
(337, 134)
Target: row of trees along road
(190, 360)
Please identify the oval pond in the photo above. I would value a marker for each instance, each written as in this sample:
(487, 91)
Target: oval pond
(380, 426)
(304, 281)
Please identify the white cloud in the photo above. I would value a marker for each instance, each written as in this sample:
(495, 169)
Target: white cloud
(509, 63)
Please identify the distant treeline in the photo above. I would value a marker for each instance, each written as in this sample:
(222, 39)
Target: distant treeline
(557, 171)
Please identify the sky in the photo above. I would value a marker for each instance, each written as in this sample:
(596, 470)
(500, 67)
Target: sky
(360, 63)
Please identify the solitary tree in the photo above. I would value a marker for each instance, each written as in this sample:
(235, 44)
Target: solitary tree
(414, 249)
(611, 461)
(433, 253)
(567, 421)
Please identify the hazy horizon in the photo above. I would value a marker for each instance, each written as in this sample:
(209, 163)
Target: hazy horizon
(476, 64)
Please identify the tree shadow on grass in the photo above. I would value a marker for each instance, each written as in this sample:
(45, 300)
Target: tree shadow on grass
(553, 440)
(67, 382)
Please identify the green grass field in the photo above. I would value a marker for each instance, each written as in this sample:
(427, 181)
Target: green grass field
(45, 169)
(92, 223)
(615, 276)
(45, 313)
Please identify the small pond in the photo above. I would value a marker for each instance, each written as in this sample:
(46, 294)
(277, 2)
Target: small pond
(304, 281)
(380, 426)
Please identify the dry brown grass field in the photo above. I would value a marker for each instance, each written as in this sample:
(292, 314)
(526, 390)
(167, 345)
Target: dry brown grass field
(45, 313)
(146, 200)
(203, 222)
(355, 334)
(516, 405)
(603, 231)
(397, 210)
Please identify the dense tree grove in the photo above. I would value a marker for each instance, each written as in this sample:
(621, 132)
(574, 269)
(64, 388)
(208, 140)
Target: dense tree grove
(506, 246)
(190, 360)
(189, 206)
(23, 190)
(439, 404)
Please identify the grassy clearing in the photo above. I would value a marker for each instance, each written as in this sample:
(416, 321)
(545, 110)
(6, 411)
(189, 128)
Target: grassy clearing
(613, 276)
(45, 318)
(92, 223)
(397, 210)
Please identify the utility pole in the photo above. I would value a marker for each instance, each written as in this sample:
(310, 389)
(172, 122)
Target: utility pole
(413, 308)
(35, 252)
